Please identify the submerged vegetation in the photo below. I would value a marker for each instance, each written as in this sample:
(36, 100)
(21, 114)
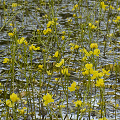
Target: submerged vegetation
(60, 60)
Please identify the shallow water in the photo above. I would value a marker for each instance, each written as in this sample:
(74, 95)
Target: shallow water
(33, 20)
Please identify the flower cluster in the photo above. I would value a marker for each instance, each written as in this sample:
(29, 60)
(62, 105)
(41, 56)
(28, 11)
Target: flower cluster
(73, 86)
(14, 98)
(47, 99)
(32, 47)
(6, 60)
(60, 64)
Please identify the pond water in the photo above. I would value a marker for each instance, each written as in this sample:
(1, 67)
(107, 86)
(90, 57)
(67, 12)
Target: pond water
(30, 84)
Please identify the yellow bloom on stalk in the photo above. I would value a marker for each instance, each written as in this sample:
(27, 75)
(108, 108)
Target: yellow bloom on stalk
(117, 105)
(71, 44)
(8, 103)
(90, 24)
(11, 34)
(96, 52)
(62, 106)
(74, 15)
(40, 66)
(6, 60)
(111, 7)
(95, 75)
(76, 46)
(14, 97)
(89, 66)
(49, 73)
(20, 41)
(56, 54)
(93, 45)
(56, 79)
(50, 23)
(93, 27)
(64, 71)
(105, 72)
(84, 58)
(86, 72)
(100, 83)
(103, 5)
(118, 9)
(22, 111)
(26, 43)
(48, 30)
(118, 17)
(73, 86)
(32, 47)
(75, 6)
(103, 118)
(69, 20)
(78, 103)
(60, 64)
(47, 99)
(63, 32)
(14, 4)
(63, 37)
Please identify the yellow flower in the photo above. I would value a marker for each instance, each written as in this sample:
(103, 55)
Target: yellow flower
(40, 66)
(99, 83)
(64, 71)
(56, 54)
(63, 37)
(118, 9)
(75, 6)
(96, 52)
(63, 32)
(111, 7)
(89, 66)
(78, 103)
(117, 105)
(48, 30)
(11, 34)
(103, 5)
(8, 103)
(74, 15)
(93, 27)
(83, 110)
(21, 40)
(93, 45)
(50, 23)
(69, 20)
(118, 17)
(84, 58)
(47, 99)
(106, 72)
(32, 47)
(76, 46)
(56, 79)
(6, 60)
(103, 118)
(26, 43)
(14, 4)
(60, 64)
(14, 97)
(49, 73)
(90, 24)
(62, 106)
(73, 86)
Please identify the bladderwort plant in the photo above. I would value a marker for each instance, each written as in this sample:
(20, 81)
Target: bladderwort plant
(59, 61)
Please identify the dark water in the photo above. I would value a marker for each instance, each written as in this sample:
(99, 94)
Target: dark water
(27, 18)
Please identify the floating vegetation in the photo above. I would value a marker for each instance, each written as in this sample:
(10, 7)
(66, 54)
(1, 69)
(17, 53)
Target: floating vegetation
(60, 60)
